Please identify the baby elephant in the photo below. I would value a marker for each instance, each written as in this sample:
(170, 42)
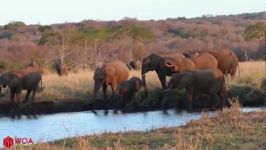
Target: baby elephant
(206, 81)
(128, 89)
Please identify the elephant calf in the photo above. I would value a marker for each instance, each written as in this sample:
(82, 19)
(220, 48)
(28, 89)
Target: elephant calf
(128, 89)
(206, 81)
(25, 79)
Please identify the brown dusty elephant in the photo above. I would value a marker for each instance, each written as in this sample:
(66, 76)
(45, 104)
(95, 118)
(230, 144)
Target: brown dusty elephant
(112, 74)
(206, 81)
(155, 62)
(24, 79)
(200, 61)
(227, 61)
(128, 89)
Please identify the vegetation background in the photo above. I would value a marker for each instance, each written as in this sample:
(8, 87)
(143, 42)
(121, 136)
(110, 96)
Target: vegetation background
(82, 45)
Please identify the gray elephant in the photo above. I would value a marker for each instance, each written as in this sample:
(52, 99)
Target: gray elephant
(128, 89)
(207, 81)
(25, 79)
(155, 62)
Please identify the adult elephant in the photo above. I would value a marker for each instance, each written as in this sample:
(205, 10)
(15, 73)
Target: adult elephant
(207, 81)
(24, 79)
(200, 61)
(112, 74)
(227, 61)
(155, 62)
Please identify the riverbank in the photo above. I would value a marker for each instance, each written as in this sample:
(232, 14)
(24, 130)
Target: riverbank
(157, 100)
(230, 129)
(73, 93)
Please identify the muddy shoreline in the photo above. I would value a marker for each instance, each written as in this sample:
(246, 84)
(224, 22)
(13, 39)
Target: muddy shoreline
(157, 100)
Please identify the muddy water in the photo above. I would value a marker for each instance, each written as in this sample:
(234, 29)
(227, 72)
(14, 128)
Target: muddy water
(62, 125)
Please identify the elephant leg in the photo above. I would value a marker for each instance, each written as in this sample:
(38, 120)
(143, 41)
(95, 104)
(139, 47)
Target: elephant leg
(223, 99)
(162, 78)
(12, 95)
(17, 93)
(114, 87)
(17, 96)
(104, 91)
(216, 99)
(189, 94)
(189, 102)
(33, 95)
(27, 96)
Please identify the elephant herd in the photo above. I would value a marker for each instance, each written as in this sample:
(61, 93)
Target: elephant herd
(197, 73)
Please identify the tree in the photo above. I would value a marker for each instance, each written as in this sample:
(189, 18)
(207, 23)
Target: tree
(255, 32)
(60, 41)
(137, 33)
(44, 28)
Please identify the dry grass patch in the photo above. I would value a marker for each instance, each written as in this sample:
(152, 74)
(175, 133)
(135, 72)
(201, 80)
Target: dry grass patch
(230, 129)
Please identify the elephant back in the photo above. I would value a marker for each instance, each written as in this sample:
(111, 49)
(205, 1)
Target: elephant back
(227, 61)
(25, 71)
(119, 71)
(176, 56)
(205, 61)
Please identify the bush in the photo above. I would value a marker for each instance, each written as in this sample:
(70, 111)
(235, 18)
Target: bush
(248, 95)
(8, 65)
(6, 34)
(14, 24)
(179, 32)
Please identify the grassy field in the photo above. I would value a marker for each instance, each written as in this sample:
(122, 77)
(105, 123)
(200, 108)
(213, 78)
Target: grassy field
(80, 84)
(230, 129)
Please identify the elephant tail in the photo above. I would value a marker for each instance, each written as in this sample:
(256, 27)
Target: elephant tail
(234, 69)
(238, 70)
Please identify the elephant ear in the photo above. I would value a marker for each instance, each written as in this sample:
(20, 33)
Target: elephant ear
(185, 81)
(14, 80)
(172, 64)
(146, 61)
(169, 62)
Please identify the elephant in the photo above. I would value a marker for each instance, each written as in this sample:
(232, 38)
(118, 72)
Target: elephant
(128, 89)
(227, 61)
(200, 61)
(181, 65)
(61, 69)
(135, 65)
(157, 62)
(112, 74)
(207, 81)
(24, 79)
(241, 54)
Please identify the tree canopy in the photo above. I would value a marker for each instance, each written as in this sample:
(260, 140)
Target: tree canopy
(255, 31)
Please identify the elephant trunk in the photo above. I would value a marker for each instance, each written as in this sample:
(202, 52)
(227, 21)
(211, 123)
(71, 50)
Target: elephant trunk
(144, 83)
(97, 86)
